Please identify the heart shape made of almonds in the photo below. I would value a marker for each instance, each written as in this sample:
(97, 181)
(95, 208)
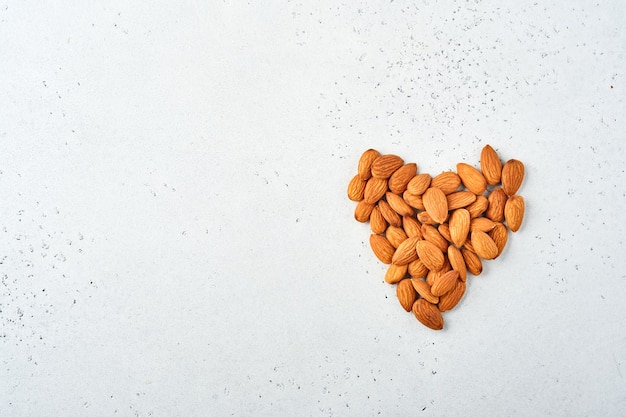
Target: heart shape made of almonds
(432, 231)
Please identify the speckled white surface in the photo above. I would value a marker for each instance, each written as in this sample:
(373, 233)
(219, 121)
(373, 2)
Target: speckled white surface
(175, 238)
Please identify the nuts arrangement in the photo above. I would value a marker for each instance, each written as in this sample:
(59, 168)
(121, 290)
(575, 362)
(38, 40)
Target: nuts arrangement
(433, 231)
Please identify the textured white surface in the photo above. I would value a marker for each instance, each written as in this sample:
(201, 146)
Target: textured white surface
(175, 239)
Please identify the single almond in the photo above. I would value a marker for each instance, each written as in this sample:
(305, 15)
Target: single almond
(362, 211)
(398, 204)
(512, 176)
(417, 269)
(395, 273)
(445, 283)
(481, 224)
(382, 248)
(395, 235)
(448, 182)
(428, 314)
(375, 189)
(406, 294)
(423, 289)
(514, 212)
(412, 227)
(389, 214)
(365, 163)
(356, 188)
(385, 165)
(483, 245)
(460, 199)
(399, 179)
(413, 200)
(455, 257)
(424, 218)
(405, 253)
(430, 254)
(472, 261)
(478, 207)
(490, 165)
(378, 224)
(471, 178)
(499, 234)
(497, 200)
(432, 235)
(436, 204)
(459, 226)
(450, 299)
(444, 230)
(418, 184)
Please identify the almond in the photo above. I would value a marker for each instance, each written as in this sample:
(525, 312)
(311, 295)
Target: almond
(399, 179)
(405, 253)
(432, 276)
(423, 289)
(459, 226)
(378, 224)
(356, 188)
(497, 200)
(428, 314)
(430, 255)
(444, 283)
(436, 204)
(472, 261)
(385, 165)
(412, 227)
(424, 218)
(483, 245)
(389, 214)
(449, 300)
(417, 269)
(375, 189)
(406, 294)
(382, 248)
(418, 184)
(362, 211)
(512, 176)
(471, 178)
(395, 273)
(478, 207)
(455, 257)
(481, 224)
(490, 165)
(514, 212)
(413, 200)
(444, 230)
(432, 235)
(365, 163)
(448, 182)
(460, 199)
(398, 204)
(395, 235)
(499, 234)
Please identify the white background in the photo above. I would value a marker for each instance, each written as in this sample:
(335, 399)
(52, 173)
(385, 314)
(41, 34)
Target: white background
(175, 237)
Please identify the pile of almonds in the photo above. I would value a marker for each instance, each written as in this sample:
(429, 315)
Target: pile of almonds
(432, 231)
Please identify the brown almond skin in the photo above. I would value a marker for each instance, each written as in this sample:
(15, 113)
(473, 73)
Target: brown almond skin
(395, 235)
(375, 189)
(400, 179)
(365, 163)
(514, 212)
(378, 224)
(459, 226)
(455, 257)
(472, 261)
(428, 314)
(450, 300)
(512, 176)
(499, 234)
(471, 178)
(413, 200)
(362, 211)
(444, 230)
(483, 245)
(436, 204)
(430, 255)
(356, 188)
(433, 275)
(424, 218)
(460, 199)
(419, 184)
(423, 289)
(395, 273)
(417, 269)
(478, 207)
(398, 204)
(389, 214)
(481, 224)
(406, 294)
(382, 248)
(497, 201)
(385, 165)
(405, 253)
(490, 165)
(445, 283)
(448, 182)
(412, 227)
(431, 234)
